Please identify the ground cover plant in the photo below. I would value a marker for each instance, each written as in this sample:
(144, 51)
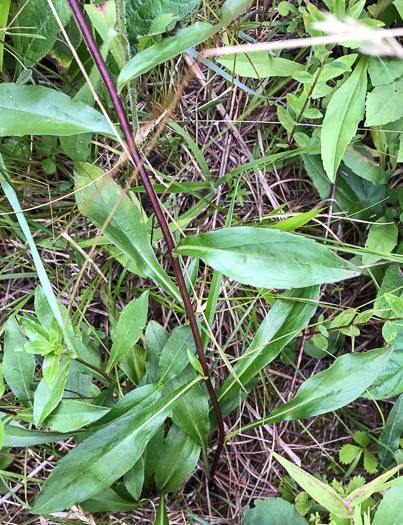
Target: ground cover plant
(202, 307)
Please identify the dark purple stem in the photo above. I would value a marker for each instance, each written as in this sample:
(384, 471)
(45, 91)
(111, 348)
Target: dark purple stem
(131, 145)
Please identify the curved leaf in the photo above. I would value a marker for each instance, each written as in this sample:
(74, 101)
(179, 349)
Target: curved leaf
(96, 199)
(288, 316)
(344, 112)
(38, 110)
(267, 258)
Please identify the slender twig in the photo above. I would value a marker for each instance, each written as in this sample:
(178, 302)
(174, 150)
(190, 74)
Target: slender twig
(131, 145)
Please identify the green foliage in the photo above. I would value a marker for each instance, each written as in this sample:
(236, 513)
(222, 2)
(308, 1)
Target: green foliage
(272, 511)
(350, 453)
(252, 256)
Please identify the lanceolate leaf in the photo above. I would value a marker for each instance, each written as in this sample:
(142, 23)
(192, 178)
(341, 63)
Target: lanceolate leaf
(260, 65)
(348, 377)
(130, 326)
(47, 398)
(19, 367)
(96, 199)
(38, 110)
(180, 455)
(179, 43)
(289, 315)
(18, 436)
(174, 356)
(344, 112)
(267, 258)
(319, 491)
(104, 457)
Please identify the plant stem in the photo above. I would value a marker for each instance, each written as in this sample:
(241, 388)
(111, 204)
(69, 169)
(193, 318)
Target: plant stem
(131, 145)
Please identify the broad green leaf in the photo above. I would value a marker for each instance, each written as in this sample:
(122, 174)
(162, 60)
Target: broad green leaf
(267, 258)
(260, 64)
(382, 237)
(18, 436)
(50, 366)
(68, 416)
(104, 457)
(390, 382)
(389, 440)
(361, 162)
(155, 338)
(130, 326)
(272, 511)
(96, 198)
(42, 308)
(174, 356)
(344, 112)
(184, 39)
(178, 460)
(108, 501)
(324, 494)
(38, 110)
(345, 380)
(385, 104)
(38, 17)
(396, 304)
(140, 16)
(390, 509)
(162, 516)
(289, 315)
(47, 398)
(392, 283)
(19, 367)
(384, 70)
(134, 478)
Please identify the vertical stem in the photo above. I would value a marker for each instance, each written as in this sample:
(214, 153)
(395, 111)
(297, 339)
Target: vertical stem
(131, 145)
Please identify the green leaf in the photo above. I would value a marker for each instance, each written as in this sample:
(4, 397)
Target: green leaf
(267, 258)
(260, 64)
(108, 501)
(348, 453)
(18, 436)
(272, 511)
(134, 478)
(19, 367)
(361, 162)
(38, 110)
(292, 223)
(390, 381)
(105, 456)
(392, 283)
(384, 70)
(390, 510)
(184, 39)
(96, 199)
(155, 338)
(389, 440)
(385, 104)
(362, 438)
(370, 462)
(133, 362)
(68, 416)
(178, 460)
(162, 516)
(50, 366)
(195, 362)
(344, 112)
(382, 237)
(4, 11)
(345, 380)
(2, 385)
(37, 15)
(46, 397)
(131, 324)
(289, 315)
(1, 434)
(396, 304)
(324, 494)
(389, 331)
(174, 356)
(140, 16)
